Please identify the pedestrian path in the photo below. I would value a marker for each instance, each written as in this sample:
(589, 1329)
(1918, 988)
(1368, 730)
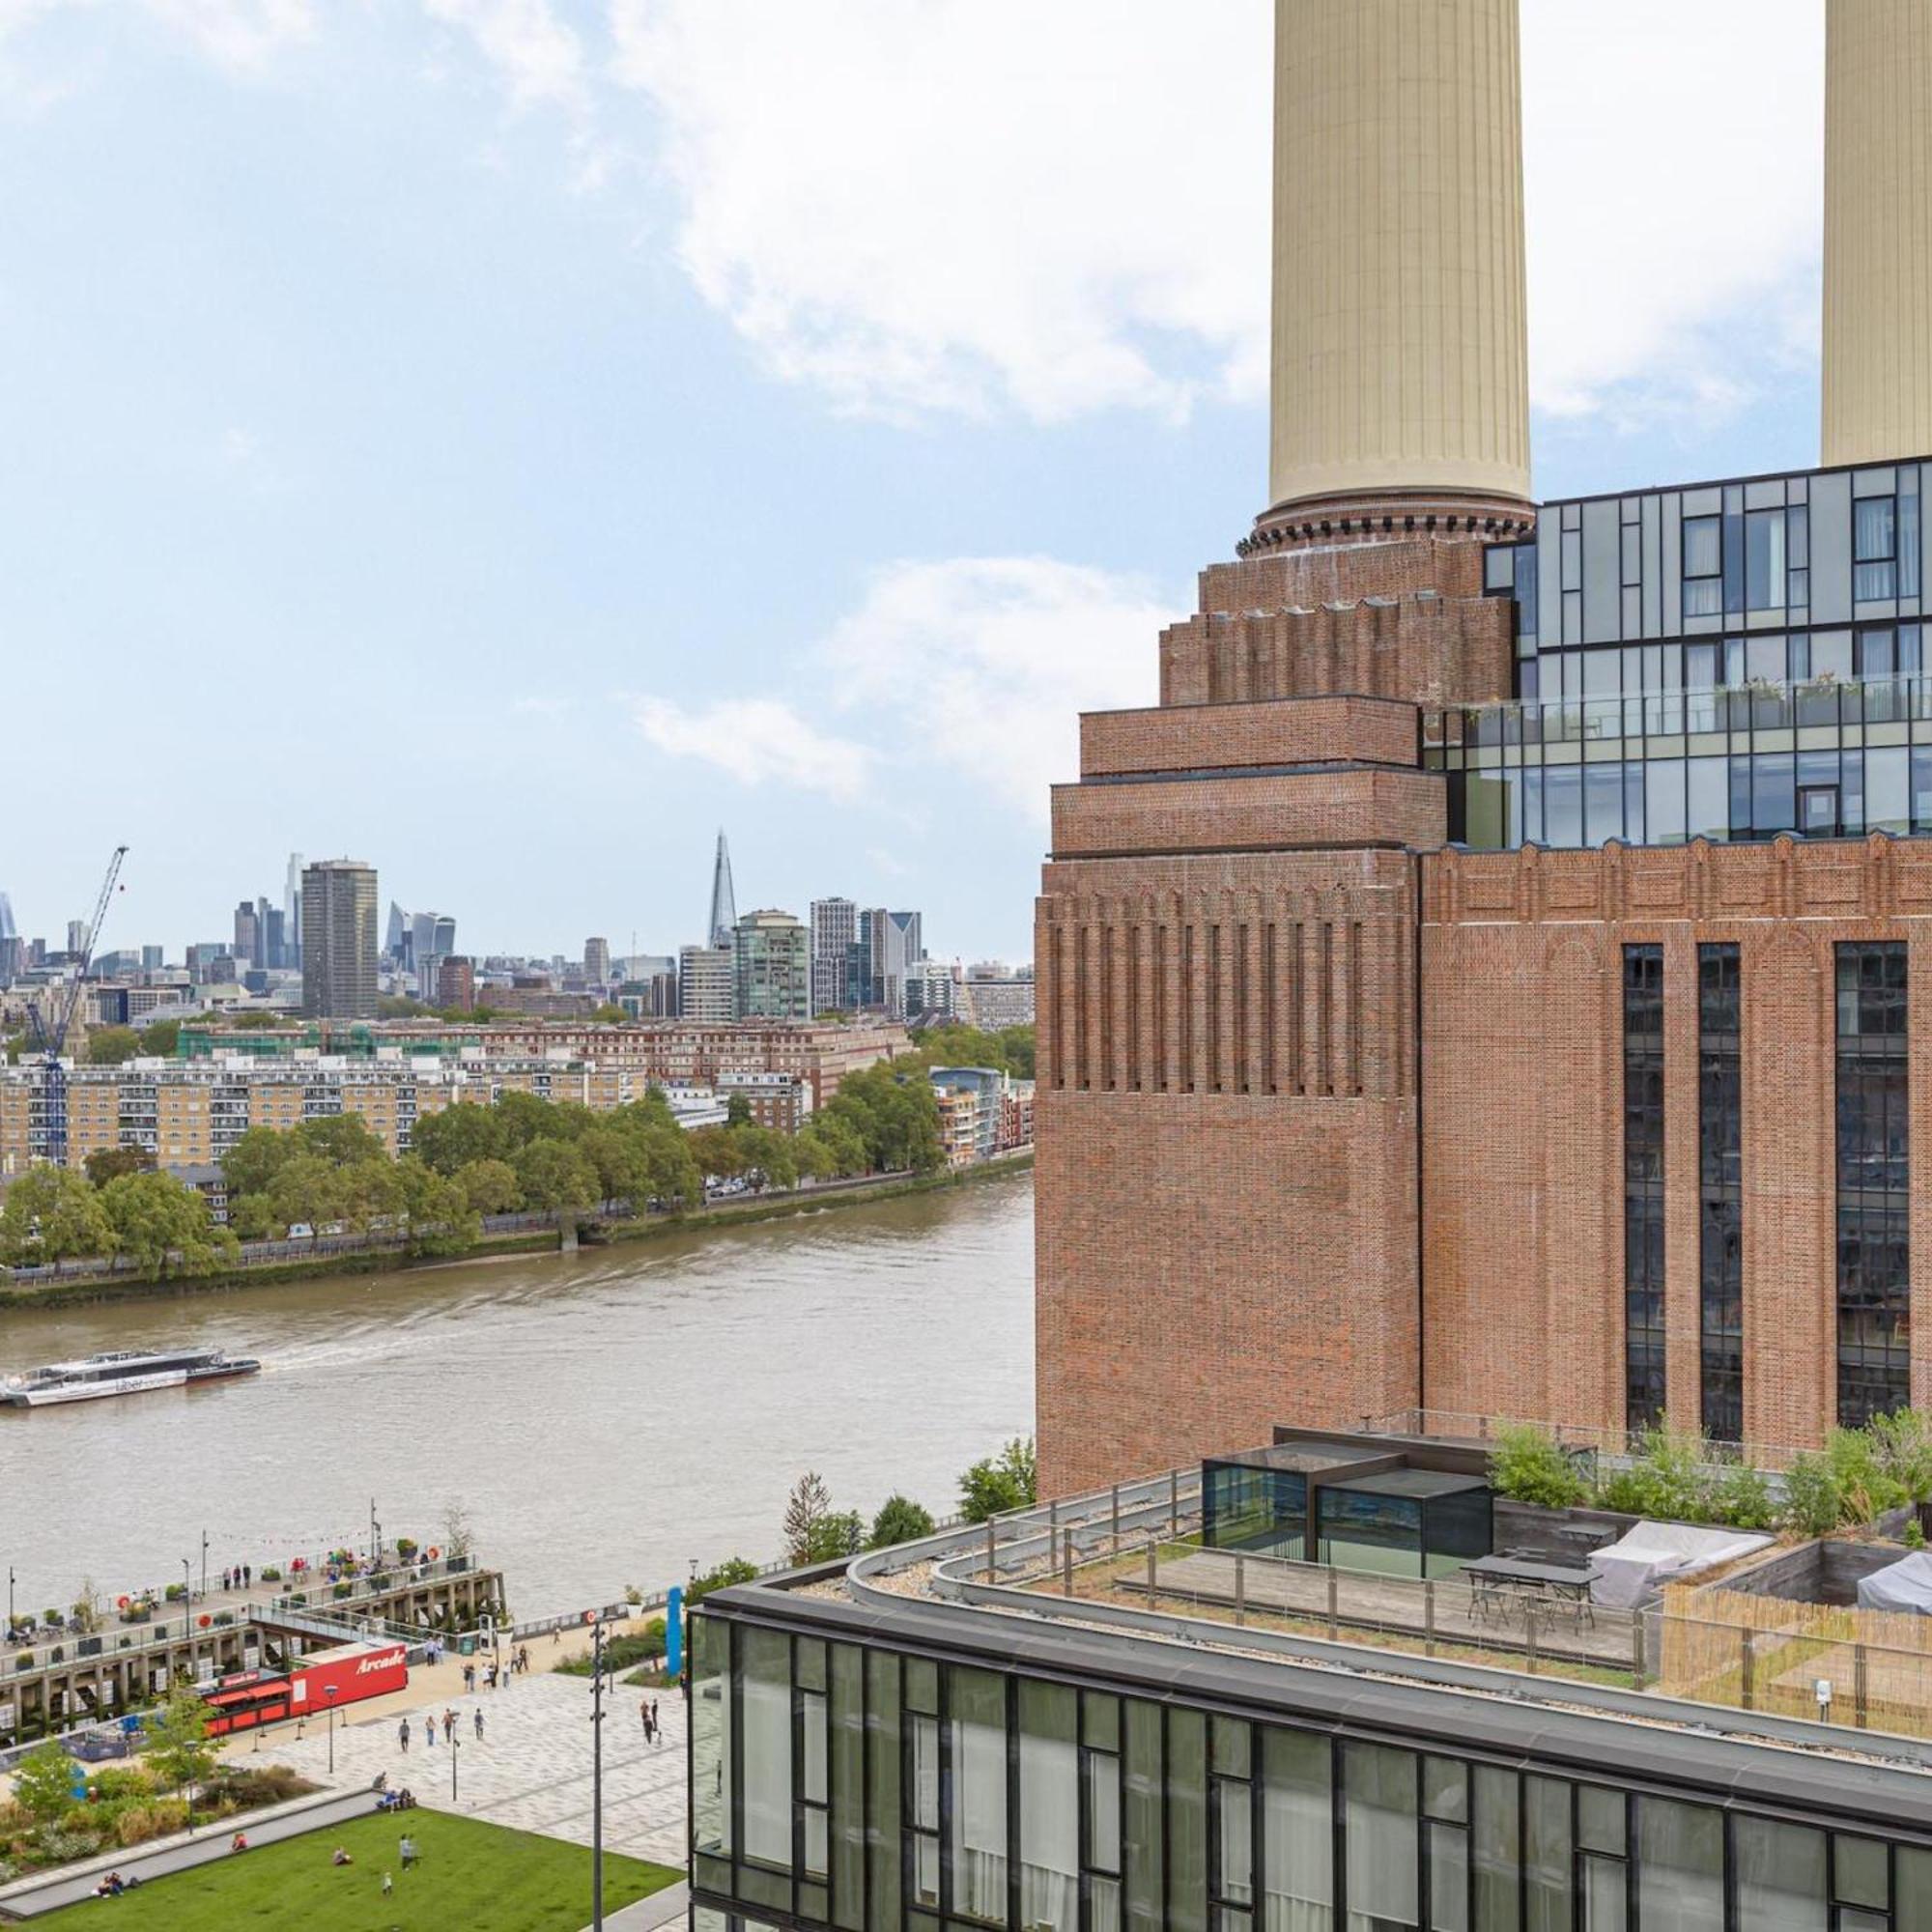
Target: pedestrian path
(530, 1770)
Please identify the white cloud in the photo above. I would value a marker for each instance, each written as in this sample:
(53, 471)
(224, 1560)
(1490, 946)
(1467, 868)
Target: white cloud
(243, 36)
(958, 206)
(539, 59)
(756, 740)
(976, 666)
(983, 664)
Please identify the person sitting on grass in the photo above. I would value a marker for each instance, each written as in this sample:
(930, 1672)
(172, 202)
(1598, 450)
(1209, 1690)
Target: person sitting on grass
(388, 1885)
(340, 1857)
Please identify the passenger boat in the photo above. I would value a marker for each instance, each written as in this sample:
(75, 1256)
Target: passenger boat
(125, 1372)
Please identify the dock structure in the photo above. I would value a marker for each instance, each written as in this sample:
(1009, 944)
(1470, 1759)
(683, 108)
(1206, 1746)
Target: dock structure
(50, 1687)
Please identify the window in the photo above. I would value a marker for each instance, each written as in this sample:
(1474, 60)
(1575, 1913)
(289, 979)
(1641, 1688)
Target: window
(711, 1736)
(764, 1661)
(1765, 554)
(1445, 1808)
(1875, 549)
(1643, 1186)
(1703, 567)
(1679, 1866)
(1721, 1191)
(815, 1766)
(1780, 1876)
(1873, 1220)
(977, 1765)
(1100, 1810)
(1379, 1802)
(922, 1791)
(1050, 1807)
(1298, 1832)
(1231, 1855)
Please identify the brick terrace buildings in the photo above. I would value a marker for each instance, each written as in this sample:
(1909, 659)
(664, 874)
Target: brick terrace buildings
(1341, 1120)
(193, 1109)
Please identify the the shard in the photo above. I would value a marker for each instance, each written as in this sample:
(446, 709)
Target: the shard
(724, 901)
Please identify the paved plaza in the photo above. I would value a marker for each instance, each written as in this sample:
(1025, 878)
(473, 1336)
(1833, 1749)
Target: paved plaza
(531, 1769)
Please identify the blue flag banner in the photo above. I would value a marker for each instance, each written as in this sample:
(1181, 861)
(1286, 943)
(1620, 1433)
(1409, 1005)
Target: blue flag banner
(674, 1633)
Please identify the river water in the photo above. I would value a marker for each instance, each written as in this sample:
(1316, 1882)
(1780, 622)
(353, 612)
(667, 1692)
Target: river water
(603, 1420)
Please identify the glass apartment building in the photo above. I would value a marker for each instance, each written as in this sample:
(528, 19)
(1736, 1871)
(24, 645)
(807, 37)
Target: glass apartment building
(870, 1757)
(1727, 661)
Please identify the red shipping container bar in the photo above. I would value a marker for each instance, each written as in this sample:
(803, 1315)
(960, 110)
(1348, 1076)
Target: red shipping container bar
(245, 1701)
(355, 1672)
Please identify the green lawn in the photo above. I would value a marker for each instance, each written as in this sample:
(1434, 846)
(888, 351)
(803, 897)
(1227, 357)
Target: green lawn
(477, 1877)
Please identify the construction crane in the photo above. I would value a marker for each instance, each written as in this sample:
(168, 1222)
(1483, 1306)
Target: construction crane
(53, 1038)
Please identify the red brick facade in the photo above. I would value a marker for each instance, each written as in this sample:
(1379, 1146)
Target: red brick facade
(1330, 1117)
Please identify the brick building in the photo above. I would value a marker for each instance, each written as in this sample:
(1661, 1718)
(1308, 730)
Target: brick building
(1357, 1097)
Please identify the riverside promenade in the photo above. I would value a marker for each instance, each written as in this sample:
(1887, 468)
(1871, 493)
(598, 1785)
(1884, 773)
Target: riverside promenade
(531, 1769)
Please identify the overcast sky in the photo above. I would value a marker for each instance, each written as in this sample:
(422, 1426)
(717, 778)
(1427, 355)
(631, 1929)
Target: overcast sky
(507, 440)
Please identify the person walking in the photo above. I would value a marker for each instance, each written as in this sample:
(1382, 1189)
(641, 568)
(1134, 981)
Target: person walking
(429, 1727)
(469, 1680)
(403, 1736)
(644, 1712)
(448, 1724)
(406, 1849)
(656, 1725)
(247, 1576)
(479, 1723)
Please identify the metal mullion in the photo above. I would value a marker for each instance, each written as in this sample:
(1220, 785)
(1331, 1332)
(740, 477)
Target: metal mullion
(1012, 1714)
(1338, 1775)
(734, 1798)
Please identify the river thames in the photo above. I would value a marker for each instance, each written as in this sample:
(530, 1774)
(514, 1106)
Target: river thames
(603, 1420)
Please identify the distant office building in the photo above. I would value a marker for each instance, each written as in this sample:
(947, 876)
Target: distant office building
(76, 938)
(274, 936)
(891, 943)
(455, 985)
(153, 958)
(7, 929)
(772, 967)
(248, 932)
(993, 1003)
(930, 992)
(834, 926)
(652, 998)
(705, 984)
(12, 958)
(723, 898)
(396, 934)
(597, 961)
(339, 940)
(291, 912)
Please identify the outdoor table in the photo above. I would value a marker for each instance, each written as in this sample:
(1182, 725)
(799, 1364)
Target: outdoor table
(1568, 1583)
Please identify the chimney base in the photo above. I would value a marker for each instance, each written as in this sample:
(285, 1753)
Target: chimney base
(1377, 516)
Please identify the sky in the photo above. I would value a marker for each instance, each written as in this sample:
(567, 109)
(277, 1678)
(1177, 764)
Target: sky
(509, 440)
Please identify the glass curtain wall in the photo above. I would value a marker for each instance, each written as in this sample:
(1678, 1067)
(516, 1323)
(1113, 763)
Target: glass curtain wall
(1013, 1802)
(1643, 1186)
(1721, 1269)
(1874, 1150)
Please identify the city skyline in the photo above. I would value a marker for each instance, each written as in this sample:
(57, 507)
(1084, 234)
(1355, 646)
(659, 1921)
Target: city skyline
(989, 500)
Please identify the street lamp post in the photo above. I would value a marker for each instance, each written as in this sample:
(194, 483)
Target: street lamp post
(187, 1606)
(10, 1602)
(330, 1688)
(455, 1745)
(203, 1563)
(374, 1536)
(596, 1772)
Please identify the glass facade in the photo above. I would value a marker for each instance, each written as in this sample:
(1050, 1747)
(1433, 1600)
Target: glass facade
(1874, 1203)
(1404, 1522)
(1720, 1262)
(1727, 662)
(990, 1797)
(1643, 1186)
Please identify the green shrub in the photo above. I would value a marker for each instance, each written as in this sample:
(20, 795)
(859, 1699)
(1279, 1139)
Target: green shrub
(1528, 1466)
(1866, 1487)
(1742, 1498)
(899, 1520)
(1667, 1483)
(270, 1573)
(734, 1570)
(1915, 1535)
(1814, 1500)
(1903, 1442)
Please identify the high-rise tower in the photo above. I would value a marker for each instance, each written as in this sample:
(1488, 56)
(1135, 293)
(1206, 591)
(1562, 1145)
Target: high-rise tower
(1878, 230)
(724, 900)
(1229, 1223)
(338, 904)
